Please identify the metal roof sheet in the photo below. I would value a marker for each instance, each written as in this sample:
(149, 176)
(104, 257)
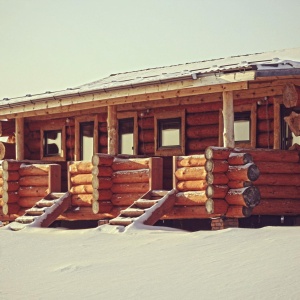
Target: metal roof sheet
(280, 59)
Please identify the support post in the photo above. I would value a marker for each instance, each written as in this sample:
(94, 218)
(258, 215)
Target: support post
(112, 130)
(19, 138)
(228, 119)
(277, 128)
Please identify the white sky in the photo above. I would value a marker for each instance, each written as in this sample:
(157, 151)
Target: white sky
(48, 45)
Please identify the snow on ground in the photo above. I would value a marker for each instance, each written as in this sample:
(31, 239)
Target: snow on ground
(150, 264)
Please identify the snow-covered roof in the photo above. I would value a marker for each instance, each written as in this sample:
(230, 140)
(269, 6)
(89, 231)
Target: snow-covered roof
(287, 60)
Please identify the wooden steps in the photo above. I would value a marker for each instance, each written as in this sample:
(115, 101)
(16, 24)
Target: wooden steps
(45, 211)
(147, 210)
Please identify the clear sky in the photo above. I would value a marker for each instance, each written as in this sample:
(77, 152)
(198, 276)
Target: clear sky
(49, 45)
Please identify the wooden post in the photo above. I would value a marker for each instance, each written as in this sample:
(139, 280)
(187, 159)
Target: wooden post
(228, 119)
(277, 130)
(19, 138)
(112, 130)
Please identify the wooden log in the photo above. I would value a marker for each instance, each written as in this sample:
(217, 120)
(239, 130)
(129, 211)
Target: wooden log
(120, 164)
(206, 118)
(11, 165)
(102, 118)
(269, 167)
(112, 129)
(80, 179)
(33, 169)
(200, 145)
(238, 211)
(33, 145)
(125, 199)
(86, 213)
(267, 155)
(100, 159)
(7, 128)
(27, 202)
(198, 132)
(19, 137)
(123, 188)
(216, 166)
(10, 175)
(239, 184)
(11, 208)
(70, 142)
(197, 212)
(192, 173)
(265, 140)
(235, 159)
(32, 134)
(146, 148)
(7, 150)
(293, 121)
(217, 178)
(105, 206)
(34, 180)
(103, 140)
(192, 185)
(278, 179)
(249, 196)
(146, 136)
(146, 123)
(81, 189)
(10, 186)
(102, 183)
(278, 207)
(129, 176)
(80, 167)
(228, 119)
(102, 195)
(214, 191)
(291, 95)
(101, 171)
(279, 192)
(82, 200)
(37, 191)
(265, 112)
(265, 125)
(191, 161)
(70, 154)
(70, 130)
(248, 172)
(217, 153)
(191, 198)
(10, 197)
(103, 127)
(205, 107)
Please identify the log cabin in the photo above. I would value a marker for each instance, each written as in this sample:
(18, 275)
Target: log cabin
(214, 140)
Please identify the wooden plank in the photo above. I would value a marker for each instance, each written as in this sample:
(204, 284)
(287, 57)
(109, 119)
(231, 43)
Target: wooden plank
(228, 119)
(156, 176)
(112, 130)
(19, 138)
(253, 118)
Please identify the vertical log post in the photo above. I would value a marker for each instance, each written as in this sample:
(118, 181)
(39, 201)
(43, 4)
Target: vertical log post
(277, 130)
(112, 130)
(19, 138)
(228, 119)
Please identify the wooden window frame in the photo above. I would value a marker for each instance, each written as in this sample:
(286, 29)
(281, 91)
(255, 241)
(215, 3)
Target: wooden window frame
(61, 157)
(174, 150)
(127, 115)
(84, 119)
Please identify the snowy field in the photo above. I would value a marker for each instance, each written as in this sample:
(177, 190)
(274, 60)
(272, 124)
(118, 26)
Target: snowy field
(150, 264)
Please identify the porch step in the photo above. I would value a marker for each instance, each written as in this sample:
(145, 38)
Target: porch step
(132, 212)
(121, 221)
(45, 203)
(35, 211)
(25, 219)
(145, 203)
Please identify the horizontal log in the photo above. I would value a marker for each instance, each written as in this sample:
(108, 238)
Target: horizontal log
(10, 186)
(100, 159)
(11, 165)
(278, 167)
(146, 148)
(278, 179)
(192, 173)
(105, 206)
(192, 185)
(86, 213)
(27, 202)
(33, 145)
(11, 208)
(197, 212)
(125, 199)
(7, 150)
(80, 167)
(216, 166)
(238, 211)
(191, 161)
(81, 189)
(102, 183)
(217, 153)
(198, 132)
(10, 175)
(264, 112)
(278, 207)
(80, 179)
(102, 127)
(130, 176)
(249, 196)
(70, 154)
(82, 200)
(236, 159)
(146, 136)
(239, 184)
(265, 140)
(265, 126)
(34, 169)
(120, 164)
(7, 128)
(216, 191)
(201, 145)
(279, 191)
(36, 125)
(37, 191)
(102, 195)
(10, 197)
(123, 188)
(205, 107)
(205, 118)
(102, 118)
(70, 130)
(70, 142)
(217, 178)
(102, 171)
(146, 123)
(103, 140)
(248, 172)
(34, 180)
(191, 198)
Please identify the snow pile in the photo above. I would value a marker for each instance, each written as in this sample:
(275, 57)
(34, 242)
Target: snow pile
(103, 263)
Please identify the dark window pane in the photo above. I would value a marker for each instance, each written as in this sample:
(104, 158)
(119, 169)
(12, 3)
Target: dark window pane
(52, 142)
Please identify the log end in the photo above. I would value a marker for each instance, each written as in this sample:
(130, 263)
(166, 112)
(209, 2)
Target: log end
(252, 196)
(253, 172)
(209, 206)
(95, 207)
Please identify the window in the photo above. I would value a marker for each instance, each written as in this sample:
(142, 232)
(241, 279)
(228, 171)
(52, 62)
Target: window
(126, 136)
(53, 143)
(242, 127)
(170, 133)
(288, 138)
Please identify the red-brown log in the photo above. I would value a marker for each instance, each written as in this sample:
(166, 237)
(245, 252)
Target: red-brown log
(80, 179)
(217, 153)
(264, 113)
(239, 184)
(120, 164)
(216, 191)
(103, 141)
(191, 198)
(277, 192)
(80, 167)
(11, 165)
(200, 132)
(7, 128)
(238, 211)
(129, 176)
(206, 118)
(34, 169)
(249, 196)
(123, 188)
(125, 199)
(82, 200)
(33, 145)
(146, 136)
(70, 130)
(278, 207)
(291, 95)
(11, 208)
(191, 161)
(70, 142)
(10, 197)
(10, 186)
(248, 172)
(101, 171)
(265, 140)
(103, 127)
(27, 202)
(192, 185)
(216, 166)
(265, 125)
(86, 213)
(102, 118)
(236, 159)
(146, 123)
(278, 179)
(200, 145)
(10, 175)
(34, 180)
(192, 173)
(82, 189)
(146, 148)
(217, 178)
(102, 183)
(278, 167)
(100, 159)
(37, 191)
(102, 195)
(205, 107)
(7, 150)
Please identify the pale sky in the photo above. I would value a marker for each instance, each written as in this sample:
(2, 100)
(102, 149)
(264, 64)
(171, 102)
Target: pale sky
(49, 45)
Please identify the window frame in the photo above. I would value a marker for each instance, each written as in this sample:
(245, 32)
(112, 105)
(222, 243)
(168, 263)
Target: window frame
(78, 121)
(62, 156)
(169, 150)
